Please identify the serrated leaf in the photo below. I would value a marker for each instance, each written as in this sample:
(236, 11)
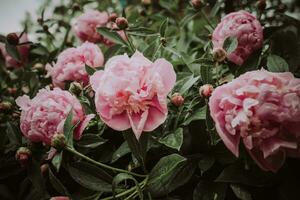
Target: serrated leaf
(173, 140)
(90, 177)
(230, 44)
(277, 64)
(90, 70)
(111, 35)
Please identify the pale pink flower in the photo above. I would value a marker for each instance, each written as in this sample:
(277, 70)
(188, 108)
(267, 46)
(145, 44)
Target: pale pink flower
(132, 92)
(246, 28)
(263, 110)
(23, 50)
(45, 114)
(86, 26)
(70, 65)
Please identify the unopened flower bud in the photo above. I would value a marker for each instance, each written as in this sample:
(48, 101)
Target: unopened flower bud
(261, 5)
(163, 41)
(122, 23)
(13, 39)
(23, 155)
(5, 106)
(146, 2)
(219, 54)
(12, 90)
(58, 141)
(76, 7)
(197, 4)
(75, 88)
(206, 90)
(177, 99)
(38, 66)
(40, 21)
(60, 198)
(112, 17)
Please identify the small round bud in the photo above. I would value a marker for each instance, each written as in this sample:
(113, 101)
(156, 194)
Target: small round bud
(60, 198)
(177, 99)
(261, 5)
(38, 66)
(5, 106)
(122, 23)
(146, 2)
(58, 141)
(23, 155)
(45, 28)
(13, 39)
(206, 90)
(197, 4)
(76, 7)
(163, 41)
(219, 54)
(112, 17)
(75, 88)
(12, 90)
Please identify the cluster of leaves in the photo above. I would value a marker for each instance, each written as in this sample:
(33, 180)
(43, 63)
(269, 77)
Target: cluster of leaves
(182, 159)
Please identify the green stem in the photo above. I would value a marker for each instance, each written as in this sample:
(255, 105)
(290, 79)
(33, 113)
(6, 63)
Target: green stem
(177, 118)
(206, 19)
(73, 151)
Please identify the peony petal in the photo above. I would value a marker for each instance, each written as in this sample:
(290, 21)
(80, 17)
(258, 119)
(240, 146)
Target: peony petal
(137, 122)
(79, 130)
(23, 102)
(95, 79)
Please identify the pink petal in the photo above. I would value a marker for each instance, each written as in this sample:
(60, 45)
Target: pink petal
(82, 126)
(118, 122)
(137, 122)
(95, 79)
(23, 102)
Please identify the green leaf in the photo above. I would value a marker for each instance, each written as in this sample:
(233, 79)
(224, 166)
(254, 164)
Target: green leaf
(173, 140)
(56, 161)
(163, 27)
(124, 177)
(230, 44)
(90, 141)
(187, 85)
(69, 129)
(164, 172)
(277, 64)
(35, 176)
(13, 134)
(111, 35)
(12, 50)
(57, 185)
(240, 192)
(206, 163)
(137, 147)
(90, 70)
(90, 177)
(199, 114)
(206, 190)
(121, 151)
(206, 74)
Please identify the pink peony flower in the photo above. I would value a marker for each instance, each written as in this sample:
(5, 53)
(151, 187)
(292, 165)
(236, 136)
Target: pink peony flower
(131, 92)
(45, 114)
(263, 110)
(23, 50)
(70, 65)
(86, 26)
(246, 28)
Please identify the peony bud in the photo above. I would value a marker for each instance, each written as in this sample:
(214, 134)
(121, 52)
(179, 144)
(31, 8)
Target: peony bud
(112, 17)
(58, 141)
(23, 155)
(219, 54)
(5, 106)
(197, 4)
(146, 2)
(76, 7)
(177, 99)
(122, 23)
(206, 90)
(12, 90)
(60, 198)
(163, 41)
(40, 21)
(12, 39)
(261, 5)
(75, 88)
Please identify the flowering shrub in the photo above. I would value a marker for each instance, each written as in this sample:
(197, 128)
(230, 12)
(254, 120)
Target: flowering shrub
(152, 99)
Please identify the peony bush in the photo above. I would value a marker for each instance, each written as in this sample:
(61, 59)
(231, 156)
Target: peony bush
(156, 99)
